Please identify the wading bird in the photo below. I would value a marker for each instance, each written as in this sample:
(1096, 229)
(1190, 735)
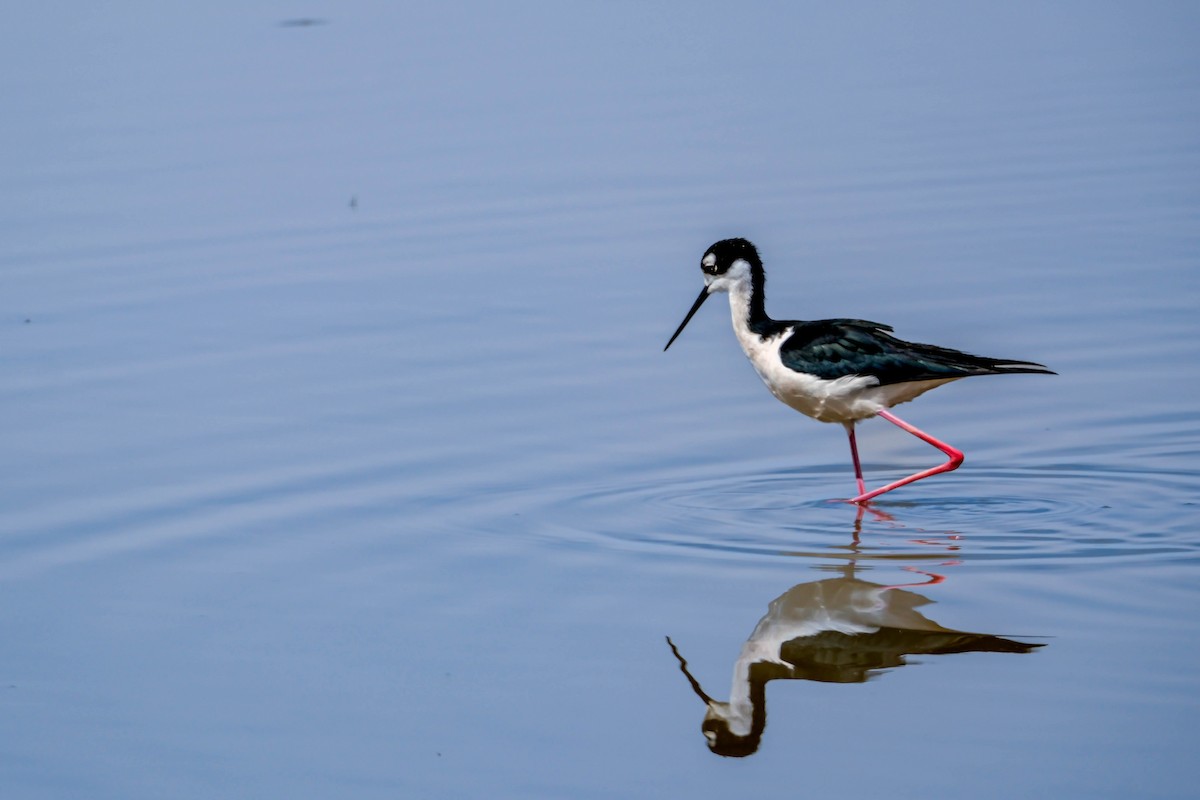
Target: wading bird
(836, 370)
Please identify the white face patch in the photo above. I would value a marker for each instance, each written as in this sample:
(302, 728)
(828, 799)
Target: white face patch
(734, 279)
(708, 261)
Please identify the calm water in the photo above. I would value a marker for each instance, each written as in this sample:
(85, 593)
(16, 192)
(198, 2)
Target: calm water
(341, 458)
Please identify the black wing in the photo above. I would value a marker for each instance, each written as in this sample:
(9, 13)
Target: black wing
(835, 348)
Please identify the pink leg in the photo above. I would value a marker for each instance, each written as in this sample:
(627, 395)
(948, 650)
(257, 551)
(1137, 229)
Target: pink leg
(956, 458)
(862, 487)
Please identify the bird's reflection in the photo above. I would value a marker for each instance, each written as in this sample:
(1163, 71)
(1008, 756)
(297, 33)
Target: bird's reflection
(837, 630)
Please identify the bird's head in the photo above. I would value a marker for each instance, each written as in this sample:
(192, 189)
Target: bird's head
(727, 264)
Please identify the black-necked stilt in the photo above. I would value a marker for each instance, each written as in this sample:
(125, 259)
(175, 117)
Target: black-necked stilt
(836, 370)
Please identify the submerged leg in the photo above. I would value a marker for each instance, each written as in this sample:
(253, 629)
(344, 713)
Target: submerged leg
(862, 487)
(956, 458)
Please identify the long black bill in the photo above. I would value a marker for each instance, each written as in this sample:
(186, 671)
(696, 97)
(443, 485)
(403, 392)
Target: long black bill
(683, 668)
(699, 302)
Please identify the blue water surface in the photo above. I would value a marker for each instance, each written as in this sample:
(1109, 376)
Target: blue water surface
(341, 456)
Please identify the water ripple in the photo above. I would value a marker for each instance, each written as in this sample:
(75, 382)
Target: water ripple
(1042, 515)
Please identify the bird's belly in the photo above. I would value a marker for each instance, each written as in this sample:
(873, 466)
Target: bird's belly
(845, 399)
(838, 400)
